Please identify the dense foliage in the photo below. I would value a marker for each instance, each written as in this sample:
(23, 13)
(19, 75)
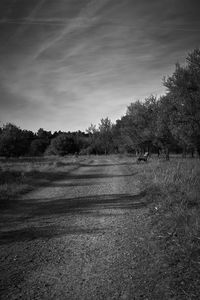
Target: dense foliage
(168, 123)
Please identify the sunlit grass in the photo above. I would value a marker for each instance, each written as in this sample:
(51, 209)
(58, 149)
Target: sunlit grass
(173, 189)
(18, 176)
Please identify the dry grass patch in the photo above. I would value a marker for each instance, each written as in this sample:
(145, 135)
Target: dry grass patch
(18, 176)
(173, 189)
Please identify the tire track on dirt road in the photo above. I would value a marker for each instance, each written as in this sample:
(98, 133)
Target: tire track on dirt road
(81, 237)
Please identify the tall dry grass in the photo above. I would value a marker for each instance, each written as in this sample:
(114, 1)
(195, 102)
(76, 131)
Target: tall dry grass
(173, 189)
(18, 176)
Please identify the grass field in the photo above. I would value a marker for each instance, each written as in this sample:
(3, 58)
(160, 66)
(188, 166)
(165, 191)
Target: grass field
(172, 190)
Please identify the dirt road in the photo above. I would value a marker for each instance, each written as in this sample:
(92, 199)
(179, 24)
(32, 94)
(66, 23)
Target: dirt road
(82, 237)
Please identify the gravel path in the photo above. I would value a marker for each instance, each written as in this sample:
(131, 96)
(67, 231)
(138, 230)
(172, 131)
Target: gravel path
(79, 238)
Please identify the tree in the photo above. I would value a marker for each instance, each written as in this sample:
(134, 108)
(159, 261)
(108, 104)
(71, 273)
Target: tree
(43, 134)
(184, 94)
(40, 143)
(137, 127)
(61, 145)
(163, 128)
(105, 135)
(94, 142)
(118, 144)
(28, 137)
(37, 147)
(13, 141)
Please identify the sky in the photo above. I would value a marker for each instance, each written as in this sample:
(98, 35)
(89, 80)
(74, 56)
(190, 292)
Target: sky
(65, 64)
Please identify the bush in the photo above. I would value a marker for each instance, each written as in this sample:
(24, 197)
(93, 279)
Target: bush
(61, 145)
(38, 147)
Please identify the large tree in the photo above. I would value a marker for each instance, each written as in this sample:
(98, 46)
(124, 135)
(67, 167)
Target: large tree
(164, 127)
(137, 127)
(184, 94)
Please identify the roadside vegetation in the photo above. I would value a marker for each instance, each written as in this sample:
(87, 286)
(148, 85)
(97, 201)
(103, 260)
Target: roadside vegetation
(18, 176)
(172, 191)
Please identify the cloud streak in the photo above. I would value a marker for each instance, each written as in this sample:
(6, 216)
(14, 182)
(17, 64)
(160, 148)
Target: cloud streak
(85, 19)
(67, 63)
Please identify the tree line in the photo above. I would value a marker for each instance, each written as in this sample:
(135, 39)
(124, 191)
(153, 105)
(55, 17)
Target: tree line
(169, 123)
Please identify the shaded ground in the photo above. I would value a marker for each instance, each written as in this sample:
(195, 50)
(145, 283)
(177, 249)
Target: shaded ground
(83, 236)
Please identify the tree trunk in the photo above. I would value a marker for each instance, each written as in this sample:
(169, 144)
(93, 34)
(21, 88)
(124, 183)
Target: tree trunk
(184, 153)
(167, 153)
(148, 148)
(198, 151)
(158, 152)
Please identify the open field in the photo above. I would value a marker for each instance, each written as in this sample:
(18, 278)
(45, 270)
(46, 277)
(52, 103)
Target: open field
(100, 227)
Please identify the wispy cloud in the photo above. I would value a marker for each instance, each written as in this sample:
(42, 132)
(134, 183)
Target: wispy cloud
(85, 19)
(67, 63)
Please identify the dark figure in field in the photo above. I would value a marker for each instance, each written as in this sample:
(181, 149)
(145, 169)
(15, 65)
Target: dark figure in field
(143, 157)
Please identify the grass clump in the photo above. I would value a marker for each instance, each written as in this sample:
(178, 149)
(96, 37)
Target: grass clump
(12, 183)
(174, 189)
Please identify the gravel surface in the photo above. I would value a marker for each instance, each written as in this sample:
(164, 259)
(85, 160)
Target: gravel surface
(84, 237)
